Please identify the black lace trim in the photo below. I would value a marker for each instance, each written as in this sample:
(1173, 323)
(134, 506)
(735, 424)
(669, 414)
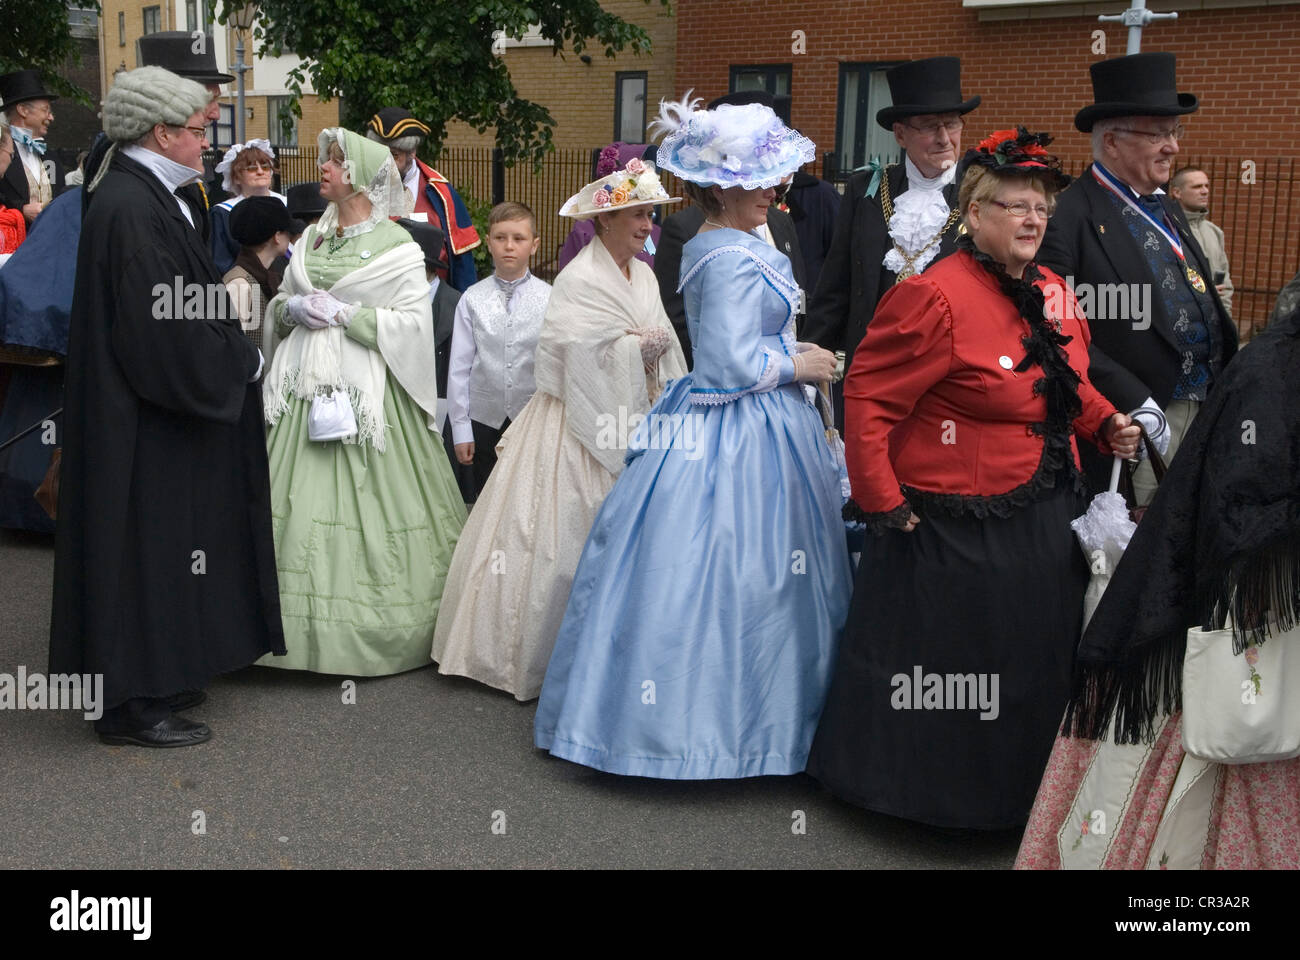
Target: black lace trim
(878, 523)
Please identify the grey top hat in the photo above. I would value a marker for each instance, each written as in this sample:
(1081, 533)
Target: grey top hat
(189, 55)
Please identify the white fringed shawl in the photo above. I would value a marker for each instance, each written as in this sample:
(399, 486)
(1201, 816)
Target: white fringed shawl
(585, 356)
(311, 360)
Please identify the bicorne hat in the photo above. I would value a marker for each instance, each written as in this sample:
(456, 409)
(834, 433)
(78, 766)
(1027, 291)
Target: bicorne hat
(1138, 85)
(431, 239)
(185, 54)
(21, 86)
(925, 86)
(395, 123)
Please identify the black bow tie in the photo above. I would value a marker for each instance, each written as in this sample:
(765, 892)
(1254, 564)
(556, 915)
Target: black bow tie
(1152, 203)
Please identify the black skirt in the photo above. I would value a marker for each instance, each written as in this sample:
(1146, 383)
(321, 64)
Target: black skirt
(954, 668)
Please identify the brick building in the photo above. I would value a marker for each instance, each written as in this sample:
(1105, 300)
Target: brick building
(597, 99)
(1029, 60)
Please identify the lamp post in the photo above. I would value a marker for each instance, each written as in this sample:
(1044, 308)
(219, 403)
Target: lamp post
(241, 18)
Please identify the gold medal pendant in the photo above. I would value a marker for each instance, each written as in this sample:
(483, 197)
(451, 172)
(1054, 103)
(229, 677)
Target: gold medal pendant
(1198, 281)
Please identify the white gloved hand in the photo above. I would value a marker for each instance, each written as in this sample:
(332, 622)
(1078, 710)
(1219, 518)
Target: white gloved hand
(337, 311)
(1160, 437)
(299, 310)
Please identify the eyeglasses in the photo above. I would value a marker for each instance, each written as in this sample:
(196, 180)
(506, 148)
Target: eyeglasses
(1021, 209)
(259, 165)
(1154, 137)
(200, 133)
(932, 129)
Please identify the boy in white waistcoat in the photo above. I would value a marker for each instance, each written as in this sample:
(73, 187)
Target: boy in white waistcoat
(498, 322)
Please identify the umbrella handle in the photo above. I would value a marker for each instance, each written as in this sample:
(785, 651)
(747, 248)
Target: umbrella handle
(1114, 474)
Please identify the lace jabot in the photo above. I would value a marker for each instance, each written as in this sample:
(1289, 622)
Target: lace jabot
(920, 212)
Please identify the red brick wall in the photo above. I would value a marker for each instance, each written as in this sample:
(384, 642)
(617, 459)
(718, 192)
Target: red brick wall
(1243, 64)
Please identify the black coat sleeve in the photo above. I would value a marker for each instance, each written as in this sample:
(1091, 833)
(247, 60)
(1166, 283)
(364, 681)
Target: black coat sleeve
(199, 366)
(668, 266)
(828, 313)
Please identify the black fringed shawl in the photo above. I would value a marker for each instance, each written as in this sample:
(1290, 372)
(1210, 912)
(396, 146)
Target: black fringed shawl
(1222, 536)
(1059, 384)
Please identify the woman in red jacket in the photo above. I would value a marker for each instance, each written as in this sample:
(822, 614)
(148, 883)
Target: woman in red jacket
(962, 409)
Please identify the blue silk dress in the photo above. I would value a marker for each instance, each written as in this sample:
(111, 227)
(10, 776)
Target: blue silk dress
(705, 614)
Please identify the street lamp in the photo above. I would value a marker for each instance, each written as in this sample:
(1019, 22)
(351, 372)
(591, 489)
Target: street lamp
(241, 18)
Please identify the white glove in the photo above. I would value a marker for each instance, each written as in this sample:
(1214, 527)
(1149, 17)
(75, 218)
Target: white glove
(299, 310)
(1152, 425)
(335, 310)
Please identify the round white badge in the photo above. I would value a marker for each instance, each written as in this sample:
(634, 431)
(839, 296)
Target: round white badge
(1006, 363)
(365, 254)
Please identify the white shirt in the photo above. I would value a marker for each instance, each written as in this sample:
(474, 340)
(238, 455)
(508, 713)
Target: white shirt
(411, 180)
(920, 212)
(31, 159)
(170, 174)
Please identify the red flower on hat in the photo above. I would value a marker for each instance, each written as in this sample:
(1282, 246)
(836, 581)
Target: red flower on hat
(991, 143)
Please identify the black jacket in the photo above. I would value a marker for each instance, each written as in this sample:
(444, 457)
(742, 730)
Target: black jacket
(681, 227)
(14, 191)
(164, 564)
(853, 278)
(1087, 242)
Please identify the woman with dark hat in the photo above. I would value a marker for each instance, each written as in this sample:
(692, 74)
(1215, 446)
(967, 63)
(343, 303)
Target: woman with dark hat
(963, 405)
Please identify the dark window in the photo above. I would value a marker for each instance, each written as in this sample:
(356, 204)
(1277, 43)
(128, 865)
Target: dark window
(224, 129)
(281, 122)
(152, 20)
(858, 138)
(772, 77)
(629, 107)
(121, 29)
(198, 15)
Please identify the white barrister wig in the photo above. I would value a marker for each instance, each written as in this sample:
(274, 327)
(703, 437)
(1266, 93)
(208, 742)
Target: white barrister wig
(145, 96)
(732, 146)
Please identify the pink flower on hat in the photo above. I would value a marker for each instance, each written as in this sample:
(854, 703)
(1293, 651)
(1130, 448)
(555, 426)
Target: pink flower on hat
(600, 198)
(635, 166)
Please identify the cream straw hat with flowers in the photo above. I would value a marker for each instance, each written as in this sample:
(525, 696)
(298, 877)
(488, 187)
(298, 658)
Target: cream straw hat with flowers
(636, 185)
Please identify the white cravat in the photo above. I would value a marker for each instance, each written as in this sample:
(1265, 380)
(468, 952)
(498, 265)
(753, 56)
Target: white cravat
(411, 180)
(170, 174)
(920, 212)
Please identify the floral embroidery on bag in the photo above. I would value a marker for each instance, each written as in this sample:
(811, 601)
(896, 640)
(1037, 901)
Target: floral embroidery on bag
(1252, 658)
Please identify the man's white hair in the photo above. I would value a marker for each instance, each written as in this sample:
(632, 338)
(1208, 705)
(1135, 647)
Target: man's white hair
(408, 143)
(1099, 130)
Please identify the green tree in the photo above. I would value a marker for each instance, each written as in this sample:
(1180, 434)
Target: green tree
(40, 39)
(435, 58)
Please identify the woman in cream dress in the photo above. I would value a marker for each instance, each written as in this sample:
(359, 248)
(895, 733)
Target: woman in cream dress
(606, 352)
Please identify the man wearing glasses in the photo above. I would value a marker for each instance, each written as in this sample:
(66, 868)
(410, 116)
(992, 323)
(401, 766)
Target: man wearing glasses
(27, 107)
(894, 220)
(1116, 230)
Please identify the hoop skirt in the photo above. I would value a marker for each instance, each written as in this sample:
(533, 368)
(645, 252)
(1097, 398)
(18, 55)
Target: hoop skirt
(704, 617)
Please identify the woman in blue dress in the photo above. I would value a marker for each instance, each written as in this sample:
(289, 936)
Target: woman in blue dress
(706, 610)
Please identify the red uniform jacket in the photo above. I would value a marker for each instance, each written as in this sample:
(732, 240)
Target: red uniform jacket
(932, 399)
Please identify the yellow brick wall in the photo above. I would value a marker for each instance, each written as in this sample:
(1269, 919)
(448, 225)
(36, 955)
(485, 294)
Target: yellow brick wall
(580, 96)
(112, 53)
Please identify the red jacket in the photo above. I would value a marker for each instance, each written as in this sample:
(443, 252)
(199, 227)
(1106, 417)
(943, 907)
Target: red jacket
(932, 399)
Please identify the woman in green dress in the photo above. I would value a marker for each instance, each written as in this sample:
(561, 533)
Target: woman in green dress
(365, 509)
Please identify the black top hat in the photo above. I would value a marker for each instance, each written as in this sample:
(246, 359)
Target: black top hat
(430, 239)
(925, 86)
(255, 220)
(391, 123)
(305, 200)
(20, 86)
(1138, 85)
(174, 50)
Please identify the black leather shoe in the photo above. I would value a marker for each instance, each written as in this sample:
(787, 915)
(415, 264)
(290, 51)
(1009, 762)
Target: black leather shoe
(175, 731)
(186, 700)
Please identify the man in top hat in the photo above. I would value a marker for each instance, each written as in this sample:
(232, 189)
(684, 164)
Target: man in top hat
(305, 202)
(25, 185)
(435, 199)
(1166, 341)
(779, 231)
(194, 58)
(897, 219)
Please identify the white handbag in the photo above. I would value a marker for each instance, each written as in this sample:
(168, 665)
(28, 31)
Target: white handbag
(1241, 708)
(331, 417)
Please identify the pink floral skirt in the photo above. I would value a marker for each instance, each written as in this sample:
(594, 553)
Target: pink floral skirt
(1239, 817)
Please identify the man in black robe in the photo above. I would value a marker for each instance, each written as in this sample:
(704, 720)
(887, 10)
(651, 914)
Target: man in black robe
(897, 219)
(164, 570)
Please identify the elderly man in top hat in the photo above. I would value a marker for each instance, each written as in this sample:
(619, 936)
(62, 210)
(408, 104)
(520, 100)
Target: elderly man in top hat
(1160, 333)
(194, 58)
(26, 185)
(779, 231)
(435, 199)
(895, 220)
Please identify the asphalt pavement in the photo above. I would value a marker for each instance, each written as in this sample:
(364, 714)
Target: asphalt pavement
(422, 771)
